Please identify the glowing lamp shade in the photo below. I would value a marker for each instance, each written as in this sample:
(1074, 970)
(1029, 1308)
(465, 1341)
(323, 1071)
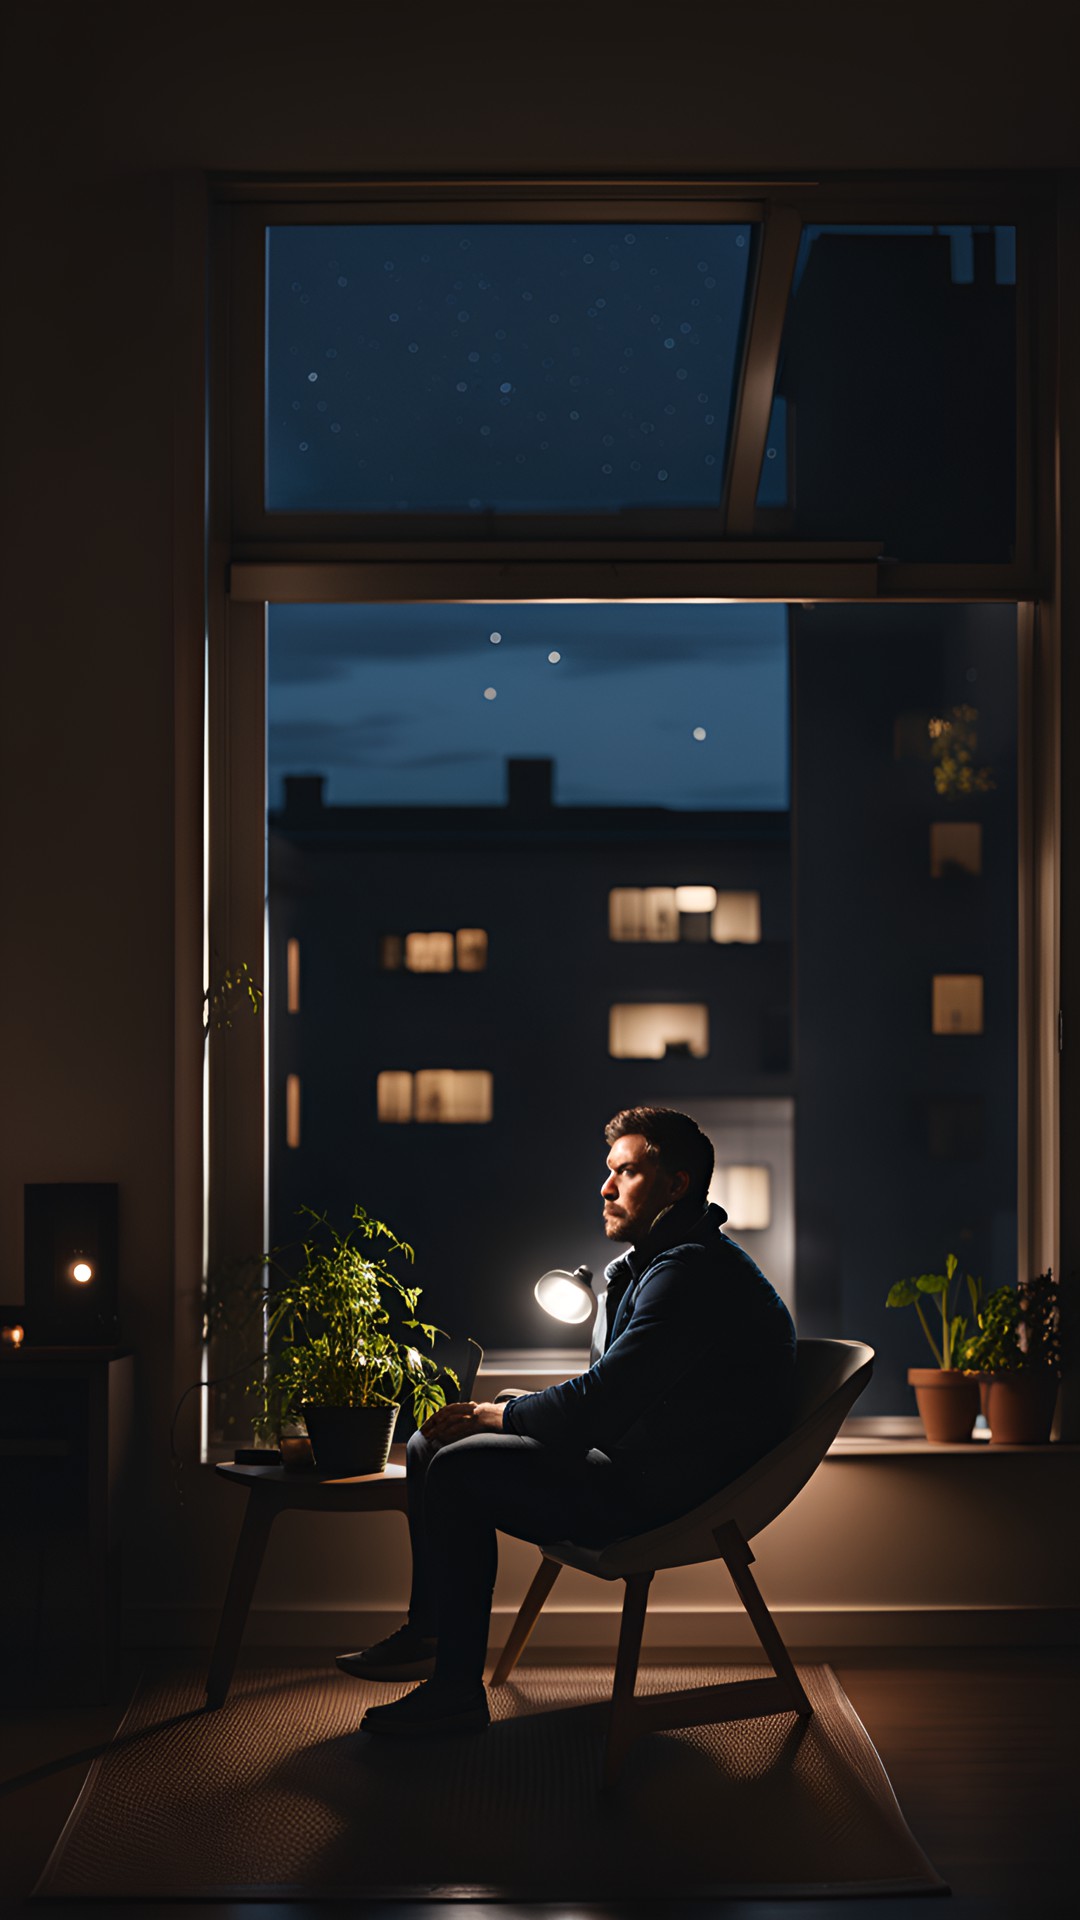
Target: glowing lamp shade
(747, 1197)
(567, 1296)
(83, 1272)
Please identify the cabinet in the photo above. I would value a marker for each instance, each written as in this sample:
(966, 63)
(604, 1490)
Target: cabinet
(65, 1444)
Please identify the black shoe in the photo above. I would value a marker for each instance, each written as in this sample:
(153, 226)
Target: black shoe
(403, 1655)
(436, 1707)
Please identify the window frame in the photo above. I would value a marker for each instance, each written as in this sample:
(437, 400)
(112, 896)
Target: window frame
(250, 559)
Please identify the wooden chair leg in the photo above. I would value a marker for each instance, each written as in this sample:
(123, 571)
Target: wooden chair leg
(258, 1519)
(737, 1558)
(620, 1721)
(528, 1614)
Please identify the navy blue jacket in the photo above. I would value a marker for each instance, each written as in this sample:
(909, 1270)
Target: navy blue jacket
(694, 1381)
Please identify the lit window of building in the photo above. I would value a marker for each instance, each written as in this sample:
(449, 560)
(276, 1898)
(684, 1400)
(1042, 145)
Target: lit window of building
(955, 845)
(649, 1032)
(745, 1193)
(292, 974)
(292, 1110)
(657, 914)
(643, 913)
(472, 946)
(429, 952)
(435, 952)
(958, 1003)
(394, 1098)
(736, 919)
(442, 1095)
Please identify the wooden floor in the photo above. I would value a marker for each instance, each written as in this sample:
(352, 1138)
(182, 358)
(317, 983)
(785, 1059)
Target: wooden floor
(980, 1746)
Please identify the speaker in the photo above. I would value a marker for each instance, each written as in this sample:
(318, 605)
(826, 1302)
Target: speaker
(71, 1264)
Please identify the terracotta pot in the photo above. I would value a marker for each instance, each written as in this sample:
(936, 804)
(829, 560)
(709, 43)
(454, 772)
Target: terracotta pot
(348, 1441)
(948, 1402)
(1020, 1407)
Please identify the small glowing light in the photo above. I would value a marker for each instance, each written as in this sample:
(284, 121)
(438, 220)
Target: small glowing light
(700, 733)
(490, 694)
(554, 658)
(494, 638)
(82, 1271)
(12, 1336)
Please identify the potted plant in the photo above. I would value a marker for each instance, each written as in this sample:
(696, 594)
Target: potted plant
(1016, 1354)
(946, 1396)
(335, 1358)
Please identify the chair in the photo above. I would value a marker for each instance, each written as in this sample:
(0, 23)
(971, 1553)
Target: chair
(829, 1377)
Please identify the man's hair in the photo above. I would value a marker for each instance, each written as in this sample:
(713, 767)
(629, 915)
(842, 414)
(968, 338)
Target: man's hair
(675, 1140)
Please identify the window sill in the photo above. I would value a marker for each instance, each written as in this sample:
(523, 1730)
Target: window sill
(893, 1435)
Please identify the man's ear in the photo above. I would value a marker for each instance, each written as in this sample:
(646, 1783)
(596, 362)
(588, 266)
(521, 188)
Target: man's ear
(680, 1183)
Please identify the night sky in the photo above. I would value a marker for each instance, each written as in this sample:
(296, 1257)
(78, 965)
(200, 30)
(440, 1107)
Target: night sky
(393, 703)
(527, 368)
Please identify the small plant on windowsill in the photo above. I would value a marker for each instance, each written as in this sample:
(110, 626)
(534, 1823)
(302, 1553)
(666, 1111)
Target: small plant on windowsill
(946, 1396)
(1015, 1353)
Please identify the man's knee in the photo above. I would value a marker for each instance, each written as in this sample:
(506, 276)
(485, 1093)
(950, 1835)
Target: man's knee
(419, 1454)
(460, 1468)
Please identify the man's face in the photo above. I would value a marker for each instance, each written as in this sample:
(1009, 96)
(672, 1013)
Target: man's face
(636, 1190)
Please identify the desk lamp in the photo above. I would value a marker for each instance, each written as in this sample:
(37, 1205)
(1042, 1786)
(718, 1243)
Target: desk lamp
(567, 1296)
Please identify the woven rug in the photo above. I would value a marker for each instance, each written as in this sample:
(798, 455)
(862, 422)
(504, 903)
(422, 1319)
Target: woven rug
(276, 1795)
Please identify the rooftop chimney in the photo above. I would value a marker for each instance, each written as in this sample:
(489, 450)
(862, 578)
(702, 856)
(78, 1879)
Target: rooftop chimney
(304, 794)
(528, 785)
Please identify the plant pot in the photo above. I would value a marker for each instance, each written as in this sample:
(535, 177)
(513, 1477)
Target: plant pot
(1020, 1407)
(948, 1402)
(348, 1441)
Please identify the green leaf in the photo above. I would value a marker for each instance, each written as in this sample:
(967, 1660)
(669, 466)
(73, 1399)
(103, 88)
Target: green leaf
(900, 1294)
(932, 1283)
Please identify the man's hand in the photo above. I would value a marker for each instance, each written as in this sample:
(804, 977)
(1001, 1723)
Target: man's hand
(463, 1417)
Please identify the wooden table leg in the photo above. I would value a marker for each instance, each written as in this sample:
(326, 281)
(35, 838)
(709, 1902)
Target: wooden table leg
(247, 1560)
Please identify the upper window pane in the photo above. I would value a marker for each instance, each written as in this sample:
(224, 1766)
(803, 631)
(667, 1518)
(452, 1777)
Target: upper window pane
(895, 410)
(528, 368)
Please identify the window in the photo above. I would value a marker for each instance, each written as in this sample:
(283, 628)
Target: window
(429, 952)
(745, 1193)
(958, 1003)
(736, 919)
(473, 727)
(292, 1110)
(955, 847)
(292, 987)
(502, 368)
(434, 952)
(663, 914)
(658, 1032)
(435, 1095)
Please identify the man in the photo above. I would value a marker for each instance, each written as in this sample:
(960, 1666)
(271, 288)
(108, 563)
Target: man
(692, 1366)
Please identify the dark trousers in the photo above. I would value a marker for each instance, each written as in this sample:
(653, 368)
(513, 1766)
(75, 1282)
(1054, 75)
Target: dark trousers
(464, 1492)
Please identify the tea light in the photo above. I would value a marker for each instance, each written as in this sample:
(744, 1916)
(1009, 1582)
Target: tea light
(12, 1336)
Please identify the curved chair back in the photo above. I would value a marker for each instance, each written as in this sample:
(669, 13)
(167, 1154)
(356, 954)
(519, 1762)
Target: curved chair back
(829, 1377)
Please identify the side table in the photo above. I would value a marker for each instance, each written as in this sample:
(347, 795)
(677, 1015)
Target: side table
(270, 1491)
